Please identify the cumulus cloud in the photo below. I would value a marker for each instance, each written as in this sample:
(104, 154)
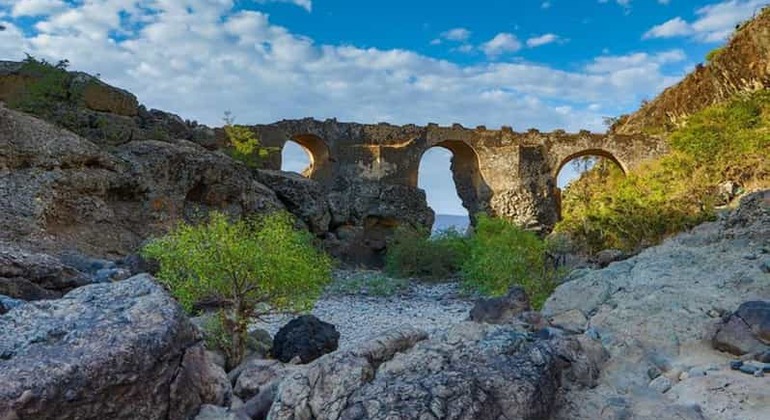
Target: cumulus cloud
(199, 58)
(502, 43)
(714, 23)
(34, 7)
(544, 39)
(456, 34)
(305, 4)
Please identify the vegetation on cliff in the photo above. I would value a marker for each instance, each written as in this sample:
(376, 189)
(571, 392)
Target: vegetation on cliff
(719, 146)
(253, 265)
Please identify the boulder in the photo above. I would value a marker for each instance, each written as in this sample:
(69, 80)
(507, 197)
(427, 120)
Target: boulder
(306, 337)
(38, 269)
(503, 309)
(302, 196)
(116, 350)
(746, 331)
(257, 373)
(473, 371)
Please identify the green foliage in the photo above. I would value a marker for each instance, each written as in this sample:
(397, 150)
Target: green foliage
(729, 142)
(501, 254)
(247, 263)
(414, 253)
(713, 54)
(48, 86)
(245, 146)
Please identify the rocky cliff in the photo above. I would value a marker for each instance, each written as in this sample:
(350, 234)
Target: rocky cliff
(740, 66)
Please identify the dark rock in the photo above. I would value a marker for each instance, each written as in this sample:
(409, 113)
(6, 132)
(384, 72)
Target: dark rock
(756, 314)
(39, 269)
(653, 372)
(763, 357)
(604, 257)
(137, 264)
(304, 197)
(748, 369)
(503, 309)
(472, 371)
(120, 350)
(736, 337)
(735, 364)
(258, 406)
(307, 337)
(20, 288)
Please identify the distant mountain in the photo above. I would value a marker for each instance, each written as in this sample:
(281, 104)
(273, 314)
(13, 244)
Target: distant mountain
(445, 221)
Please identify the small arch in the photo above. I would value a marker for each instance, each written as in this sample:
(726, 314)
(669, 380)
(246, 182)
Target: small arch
(590, 152)
(295, 158)
(319, 163)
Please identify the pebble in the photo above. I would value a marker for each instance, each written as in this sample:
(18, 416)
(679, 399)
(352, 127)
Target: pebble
(661, 384)
(735, 364)
(759, 373)
(427, 306)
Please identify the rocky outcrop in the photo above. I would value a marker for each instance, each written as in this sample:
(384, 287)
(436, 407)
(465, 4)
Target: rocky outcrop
(61, 192)
(305, 337)
(472, 371)
(303, 197)
(657, 312)
(746, 331)
(122, 350)
(740, 66)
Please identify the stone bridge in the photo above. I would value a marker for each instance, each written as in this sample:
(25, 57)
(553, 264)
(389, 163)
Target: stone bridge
(500, 172)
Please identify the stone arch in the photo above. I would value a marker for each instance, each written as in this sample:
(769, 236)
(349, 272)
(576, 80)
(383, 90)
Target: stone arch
(585, 152)
(466, 173)
(590, 152)
(318, 152)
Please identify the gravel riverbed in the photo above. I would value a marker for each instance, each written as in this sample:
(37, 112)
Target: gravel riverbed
(363, 304)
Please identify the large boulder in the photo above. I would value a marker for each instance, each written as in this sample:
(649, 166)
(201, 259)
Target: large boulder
(306, 337)
(302, 196)
(120, 350)
(473, 371)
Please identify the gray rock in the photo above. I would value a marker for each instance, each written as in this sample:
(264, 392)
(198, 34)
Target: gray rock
(737, 337)
(503, 309)
(473, 371)
(7, 303)
(302, 196)
(213, 412)
(661, 384)
(29, 269)
(573, 321)
(257, 373)
(756, 314)
(119, 350)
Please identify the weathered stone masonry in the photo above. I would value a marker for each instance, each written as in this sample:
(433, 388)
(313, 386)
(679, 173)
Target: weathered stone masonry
(500, 172)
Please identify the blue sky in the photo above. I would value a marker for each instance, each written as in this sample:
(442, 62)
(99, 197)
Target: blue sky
(530, 63)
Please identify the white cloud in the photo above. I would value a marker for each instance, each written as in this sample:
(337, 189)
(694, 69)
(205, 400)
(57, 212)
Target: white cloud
(456, 34)
(35, 7)
(502, 43)
(199, 58)
(714, 23)
(545, 5)
(538, 41)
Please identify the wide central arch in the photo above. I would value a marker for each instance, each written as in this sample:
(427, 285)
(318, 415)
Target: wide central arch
(318, 153)
(466, 173)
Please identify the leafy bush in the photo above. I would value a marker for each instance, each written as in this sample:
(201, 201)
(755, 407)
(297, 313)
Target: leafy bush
(501, 254)
(244, 144)
(728, 142)
(255, 265)
(414, 253)
(713, 54)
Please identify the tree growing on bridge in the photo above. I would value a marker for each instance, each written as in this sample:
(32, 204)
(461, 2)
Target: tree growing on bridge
(255, 265)
(246, 147)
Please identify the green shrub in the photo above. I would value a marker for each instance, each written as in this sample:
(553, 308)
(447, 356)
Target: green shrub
(713, 54)
(728, 142)
(501, 255)
(255, 265)
(414, 253)
(244, 144)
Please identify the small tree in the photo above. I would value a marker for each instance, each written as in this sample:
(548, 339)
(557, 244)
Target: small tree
(246, 147)
(254, 265)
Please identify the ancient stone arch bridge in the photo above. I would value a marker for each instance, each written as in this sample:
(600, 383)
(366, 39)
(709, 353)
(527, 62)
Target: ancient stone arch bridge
(500, 172)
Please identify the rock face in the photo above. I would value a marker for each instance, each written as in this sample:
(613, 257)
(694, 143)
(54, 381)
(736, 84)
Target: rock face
(61, 192)
(658, 311)
(123, 350)
(503, 309)
(306, 337)
(473, 371)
